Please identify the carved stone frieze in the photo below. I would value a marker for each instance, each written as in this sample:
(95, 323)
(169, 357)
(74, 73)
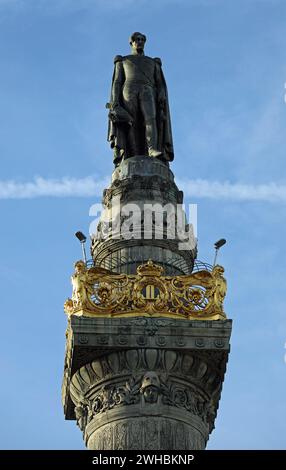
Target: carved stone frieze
(148, 434)
(123, 387)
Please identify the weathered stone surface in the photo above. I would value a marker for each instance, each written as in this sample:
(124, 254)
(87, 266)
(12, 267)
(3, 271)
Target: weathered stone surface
(148, 433)
(160, 376)
(140, 181)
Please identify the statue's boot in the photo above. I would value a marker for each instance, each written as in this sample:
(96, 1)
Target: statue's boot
(154, 153)
(152, 138)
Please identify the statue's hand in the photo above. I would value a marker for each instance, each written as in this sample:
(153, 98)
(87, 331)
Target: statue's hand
(115, 104)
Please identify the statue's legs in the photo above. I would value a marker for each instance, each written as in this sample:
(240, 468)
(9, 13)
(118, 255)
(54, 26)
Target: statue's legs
(148, 108)
(130, 103)
(152, 138)
(136, 99)
(132, 144)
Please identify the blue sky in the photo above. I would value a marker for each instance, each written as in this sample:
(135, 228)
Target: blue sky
(224, 62)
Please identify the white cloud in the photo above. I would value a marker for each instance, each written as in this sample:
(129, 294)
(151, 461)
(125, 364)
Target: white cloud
(270, 192)
(64, 187)
(89, 186)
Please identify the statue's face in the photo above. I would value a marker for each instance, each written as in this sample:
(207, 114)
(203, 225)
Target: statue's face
(138, 43)
(79, 266)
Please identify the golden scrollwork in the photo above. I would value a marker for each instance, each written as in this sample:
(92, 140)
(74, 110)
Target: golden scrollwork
(102, 293)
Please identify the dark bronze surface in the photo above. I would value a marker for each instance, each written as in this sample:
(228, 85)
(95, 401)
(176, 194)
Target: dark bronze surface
(139, 117)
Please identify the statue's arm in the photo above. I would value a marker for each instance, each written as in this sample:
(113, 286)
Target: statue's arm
(118, 80)
(160, 84)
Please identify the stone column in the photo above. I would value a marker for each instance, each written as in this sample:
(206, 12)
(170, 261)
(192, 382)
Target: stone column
(145, 383)
(142, 181)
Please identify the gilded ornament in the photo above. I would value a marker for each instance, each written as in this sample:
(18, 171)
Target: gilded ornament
(102, 293)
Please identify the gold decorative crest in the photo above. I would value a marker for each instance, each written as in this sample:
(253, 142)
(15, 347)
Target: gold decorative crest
(98, 292)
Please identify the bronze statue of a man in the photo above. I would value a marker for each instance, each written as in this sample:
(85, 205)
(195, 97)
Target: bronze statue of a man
(139, 117)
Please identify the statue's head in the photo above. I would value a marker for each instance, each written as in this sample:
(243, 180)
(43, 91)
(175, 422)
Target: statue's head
(150, 378)
(150, 387)
(137, 41)
(79, 266)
